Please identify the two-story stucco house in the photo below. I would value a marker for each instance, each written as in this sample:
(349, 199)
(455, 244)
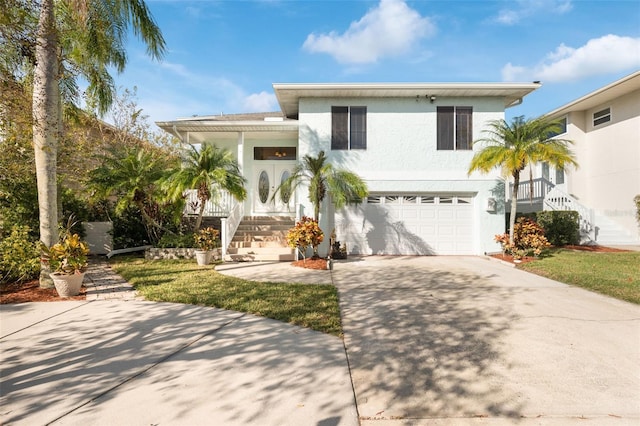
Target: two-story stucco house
(411, 142)
(605, 128)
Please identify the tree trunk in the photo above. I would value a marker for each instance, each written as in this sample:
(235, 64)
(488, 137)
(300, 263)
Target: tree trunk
(203, 204)
(514, 205)
(45, 128)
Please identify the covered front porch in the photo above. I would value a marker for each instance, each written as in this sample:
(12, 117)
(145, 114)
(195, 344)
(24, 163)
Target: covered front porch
(265, 147)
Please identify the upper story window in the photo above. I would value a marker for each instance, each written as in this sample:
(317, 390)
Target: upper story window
(602, 116)
(455, 125)
(348, 127)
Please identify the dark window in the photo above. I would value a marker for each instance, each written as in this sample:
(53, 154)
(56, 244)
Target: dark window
(602, 116)
(274, 153)
(339, 126)
(348, 127)
(455, 128)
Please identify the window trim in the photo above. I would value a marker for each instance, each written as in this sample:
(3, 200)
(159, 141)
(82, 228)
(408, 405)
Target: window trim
(356, 136)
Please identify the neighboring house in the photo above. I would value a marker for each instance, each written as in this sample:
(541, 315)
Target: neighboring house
(411, 143)
(605, 128)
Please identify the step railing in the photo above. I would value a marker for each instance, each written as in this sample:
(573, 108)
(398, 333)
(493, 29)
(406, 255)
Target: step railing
(557, 199)
(229, 225)
(534, 190)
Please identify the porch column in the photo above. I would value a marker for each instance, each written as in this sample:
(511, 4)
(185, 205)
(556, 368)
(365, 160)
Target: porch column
(241, 152)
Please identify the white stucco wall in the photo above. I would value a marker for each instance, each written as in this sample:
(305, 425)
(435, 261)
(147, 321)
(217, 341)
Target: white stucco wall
(401, 154)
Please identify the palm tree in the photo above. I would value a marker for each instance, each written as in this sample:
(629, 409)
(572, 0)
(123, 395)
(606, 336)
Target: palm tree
(209, 169)
(513, 146)
(343, 186)
(86, 40)
(132, 175)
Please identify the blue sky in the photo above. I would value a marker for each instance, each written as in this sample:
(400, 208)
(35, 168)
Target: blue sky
(223, 56)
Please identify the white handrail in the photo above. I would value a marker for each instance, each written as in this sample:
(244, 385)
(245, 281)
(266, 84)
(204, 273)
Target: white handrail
(229, 225)
(541, 188)
(557, 199)
(219, 207)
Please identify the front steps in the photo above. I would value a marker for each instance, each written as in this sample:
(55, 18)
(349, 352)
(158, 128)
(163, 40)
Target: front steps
(609, 233)
(261, 238)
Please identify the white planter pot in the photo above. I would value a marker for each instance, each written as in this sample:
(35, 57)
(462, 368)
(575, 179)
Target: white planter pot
(203, 257)
(68, 285)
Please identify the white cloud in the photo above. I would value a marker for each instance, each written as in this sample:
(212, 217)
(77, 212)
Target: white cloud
(389, 29)
(607, 54)
(261, 102)
(527, 8)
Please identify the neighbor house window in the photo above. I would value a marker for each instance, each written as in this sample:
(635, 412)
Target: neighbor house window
(602, 116)
(348, 127)
(562, 127)
(454, 128)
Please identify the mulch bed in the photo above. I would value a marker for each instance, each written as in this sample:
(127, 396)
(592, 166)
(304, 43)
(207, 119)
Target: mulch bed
(311, 263)
(592, 249)
(30, 291)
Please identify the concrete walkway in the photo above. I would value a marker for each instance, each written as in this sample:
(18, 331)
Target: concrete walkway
(115, 360)
(430, 341)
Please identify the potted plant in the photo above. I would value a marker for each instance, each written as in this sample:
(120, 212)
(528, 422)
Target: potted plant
(206, 240)
(68, 262)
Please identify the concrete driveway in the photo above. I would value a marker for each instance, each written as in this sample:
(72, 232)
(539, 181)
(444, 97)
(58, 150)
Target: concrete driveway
(465, 340)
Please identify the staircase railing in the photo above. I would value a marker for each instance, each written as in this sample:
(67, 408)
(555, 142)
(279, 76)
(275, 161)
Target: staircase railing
(535, 192)
(557, 199)
(229, 224)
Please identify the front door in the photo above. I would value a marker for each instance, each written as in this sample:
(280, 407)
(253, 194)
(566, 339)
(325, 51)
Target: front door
(268, 177)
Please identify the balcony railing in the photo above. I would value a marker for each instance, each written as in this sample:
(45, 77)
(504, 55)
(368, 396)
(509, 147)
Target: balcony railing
(219, 207)
(535, 190)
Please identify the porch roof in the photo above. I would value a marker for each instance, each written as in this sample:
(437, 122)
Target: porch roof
(198, 126)
(289, 94)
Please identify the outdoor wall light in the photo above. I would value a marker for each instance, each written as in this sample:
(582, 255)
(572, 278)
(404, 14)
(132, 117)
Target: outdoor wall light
(432, 99)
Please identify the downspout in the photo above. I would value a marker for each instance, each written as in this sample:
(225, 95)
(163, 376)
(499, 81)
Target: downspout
(515, 103)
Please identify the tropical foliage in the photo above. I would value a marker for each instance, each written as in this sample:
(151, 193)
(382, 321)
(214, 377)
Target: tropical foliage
(528, 239)
(206, 238)
(68, 256)
(306, 233)
(208, 169)
(19, 256)
(516, 145)
(132, 175)
(344, 187)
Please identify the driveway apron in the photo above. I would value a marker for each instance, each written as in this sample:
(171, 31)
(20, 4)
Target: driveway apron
(465, 340)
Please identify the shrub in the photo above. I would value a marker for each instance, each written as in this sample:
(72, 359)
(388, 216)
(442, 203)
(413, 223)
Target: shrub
(19, 256)
(206, 238)
(636, 199)
(305, 233)
(176, 240)
(528, 239)
(560, 227)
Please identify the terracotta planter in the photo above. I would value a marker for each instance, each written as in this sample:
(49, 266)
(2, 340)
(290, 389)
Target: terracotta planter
(68, 285)
(203, 257)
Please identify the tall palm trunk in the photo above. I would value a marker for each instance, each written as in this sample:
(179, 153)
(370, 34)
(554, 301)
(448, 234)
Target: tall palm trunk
(45, 128)
(514, 204)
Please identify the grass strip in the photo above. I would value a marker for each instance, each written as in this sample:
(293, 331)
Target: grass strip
(613, 274)
(314, 306)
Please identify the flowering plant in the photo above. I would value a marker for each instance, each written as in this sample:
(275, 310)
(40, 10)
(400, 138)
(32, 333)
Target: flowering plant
(305, 233)
(528, 238)
(206, 238)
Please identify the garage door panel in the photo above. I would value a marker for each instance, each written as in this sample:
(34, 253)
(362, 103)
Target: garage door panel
(403, 225)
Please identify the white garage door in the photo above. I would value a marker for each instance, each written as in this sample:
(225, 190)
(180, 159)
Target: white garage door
(408, 225)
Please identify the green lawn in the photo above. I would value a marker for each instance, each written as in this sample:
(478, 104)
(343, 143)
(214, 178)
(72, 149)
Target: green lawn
(613, 274)
(182, 281)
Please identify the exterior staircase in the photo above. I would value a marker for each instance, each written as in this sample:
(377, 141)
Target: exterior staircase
(261, 238)
(594, 228)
